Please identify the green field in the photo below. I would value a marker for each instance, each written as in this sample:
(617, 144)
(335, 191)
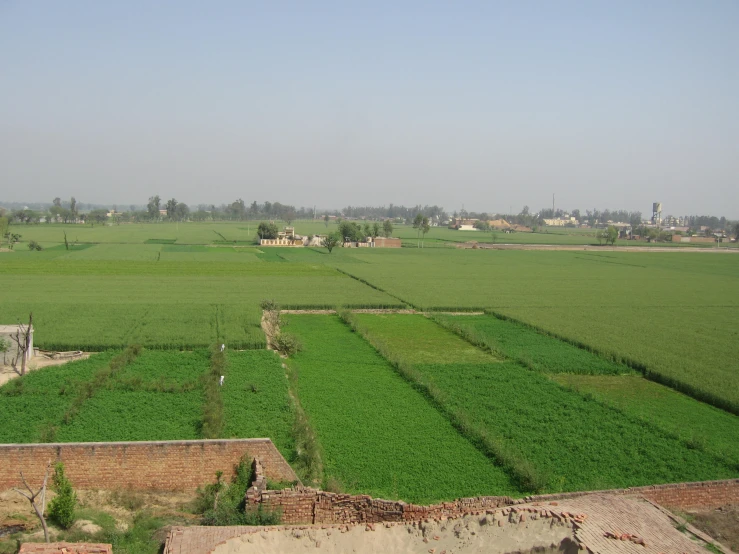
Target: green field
(377, 434)
(555, 398)
(560, 440)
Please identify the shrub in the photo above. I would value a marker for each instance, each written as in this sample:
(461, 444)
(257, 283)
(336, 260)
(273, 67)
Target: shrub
(287, 344)
(63, 506)
(225, 504)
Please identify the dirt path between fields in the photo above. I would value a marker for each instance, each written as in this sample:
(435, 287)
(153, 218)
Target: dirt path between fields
(38, 362)
(590, 248)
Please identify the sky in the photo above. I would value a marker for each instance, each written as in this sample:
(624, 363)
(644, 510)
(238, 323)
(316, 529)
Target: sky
(487, 105)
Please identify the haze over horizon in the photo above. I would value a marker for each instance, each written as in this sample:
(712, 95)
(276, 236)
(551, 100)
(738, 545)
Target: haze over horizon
(488, 104)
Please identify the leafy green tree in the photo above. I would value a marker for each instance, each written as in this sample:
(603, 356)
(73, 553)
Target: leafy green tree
(152, 207)
(331, 241)
(267, 230)
(4, 225)
(611, 234)
(63, 505)
(171, 207)
(425, 228)
(350, 231)
(98, 216)
(182, 211)
(375, 230)
(736, 230)
(325, 220)
(387, 228)
(417, 225)
(34, 245)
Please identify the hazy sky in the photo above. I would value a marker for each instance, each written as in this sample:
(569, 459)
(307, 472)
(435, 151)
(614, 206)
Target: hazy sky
(488, 104)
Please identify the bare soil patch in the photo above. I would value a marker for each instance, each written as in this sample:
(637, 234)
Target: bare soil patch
(38, 362)
(722, 524)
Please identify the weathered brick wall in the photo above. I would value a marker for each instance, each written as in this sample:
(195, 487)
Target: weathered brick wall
(306, 505)
(165, 465)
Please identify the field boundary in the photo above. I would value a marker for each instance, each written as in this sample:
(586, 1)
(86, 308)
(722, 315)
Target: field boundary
(181, 465)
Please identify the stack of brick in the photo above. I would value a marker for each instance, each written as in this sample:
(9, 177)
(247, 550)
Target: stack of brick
(259, 484)
(65, 548)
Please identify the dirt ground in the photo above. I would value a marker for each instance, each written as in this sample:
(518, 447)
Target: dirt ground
(722, 524)
(38, 362)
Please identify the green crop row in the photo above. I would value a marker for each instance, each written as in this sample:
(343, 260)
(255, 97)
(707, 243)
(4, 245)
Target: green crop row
(565, 441)
(534, 350)
(377, 434)
(255, 399)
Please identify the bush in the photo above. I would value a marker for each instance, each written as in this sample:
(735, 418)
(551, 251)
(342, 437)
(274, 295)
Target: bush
(33, 245)
(287, 344)
(225, 504)
(62, 508)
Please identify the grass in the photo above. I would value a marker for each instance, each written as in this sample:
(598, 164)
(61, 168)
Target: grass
(377, 434)
(571, 442)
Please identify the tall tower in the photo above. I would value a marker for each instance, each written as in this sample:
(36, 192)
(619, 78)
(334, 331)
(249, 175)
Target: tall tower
(657, 213)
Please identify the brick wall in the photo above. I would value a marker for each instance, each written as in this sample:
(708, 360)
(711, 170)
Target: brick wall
(165, 465)
(306, 505)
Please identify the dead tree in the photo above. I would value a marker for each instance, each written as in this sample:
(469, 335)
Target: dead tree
(22, 340)
(32, 496)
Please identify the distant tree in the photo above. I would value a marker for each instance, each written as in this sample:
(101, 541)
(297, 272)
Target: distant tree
(350, 231)
(289, 216)
(367, 230)
(33, 245)
(182, 211)
(325, 219)
(331, 241)
(73, 206)
(481, 225)
(417, 225)
(375, 230)
(601, 236)
(267, 230)
(611, 234)
(57, 202)
(387, 228)
(735, 230)
(98, 216)
(171, 207)
(12, 238)
(152, 207)
(4, 225)
(425, 228)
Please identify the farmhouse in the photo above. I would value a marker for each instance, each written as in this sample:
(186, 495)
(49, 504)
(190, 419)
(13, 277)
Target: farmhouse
(9, 347)
(287, 237)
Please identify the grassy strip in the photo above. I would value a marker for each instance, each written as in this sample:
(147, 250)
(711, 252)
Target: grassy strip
(522, 471)
(307, 460)
(647, 372)
(213, 421)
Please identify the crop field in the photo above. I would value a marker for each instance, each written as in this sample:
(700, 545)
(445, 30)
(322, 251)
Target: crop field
(554, 439)
(255, 399)
(671, 314)
(543, 392)
(377, 434)
(97, 305)
(694, 422)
